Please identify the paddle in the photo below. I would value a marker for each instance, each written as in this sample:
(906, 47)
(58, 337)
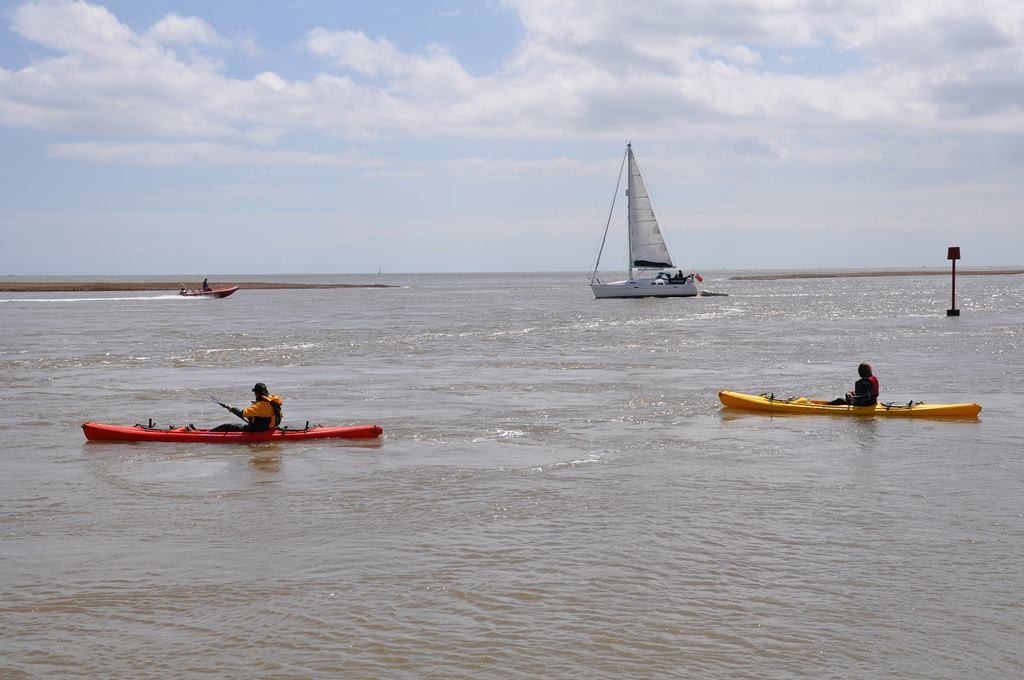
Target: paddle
(221, 403)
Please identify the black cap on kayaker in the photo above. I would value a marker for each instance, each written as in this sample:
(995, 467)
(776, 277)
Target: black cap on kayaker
(260, 389)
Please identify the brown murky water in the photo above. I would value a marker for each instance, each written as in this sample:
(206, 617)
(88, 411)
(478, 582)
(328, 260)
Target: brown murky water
(558, 492)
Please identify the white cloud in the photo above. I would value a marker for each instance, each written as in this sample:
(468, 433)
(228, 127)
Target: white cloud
(185, 30)
(213, 154)
(435, 73)
(682, 70)
(71, 27)
(738, 54)
(198, 153)
(174, 29)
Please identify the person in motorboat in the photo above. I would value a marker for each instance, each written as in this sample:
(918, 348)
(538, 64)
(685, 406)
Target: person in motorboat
(865, 390)
(206, 284)
(264, 413)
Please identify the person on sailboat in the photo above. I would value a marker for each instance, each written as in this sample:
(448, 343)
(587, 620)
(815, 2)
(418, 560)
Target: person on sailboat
(865, 390)
(264, 413)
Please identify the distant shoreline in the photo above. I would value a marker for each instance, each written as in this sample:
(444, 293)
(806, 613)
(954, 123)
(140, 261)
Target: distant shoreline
(107, 286)
(16, 286)
(839, 275)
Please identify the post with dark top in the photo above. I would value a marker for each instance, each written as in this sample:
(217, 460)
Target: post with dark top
(953, 254)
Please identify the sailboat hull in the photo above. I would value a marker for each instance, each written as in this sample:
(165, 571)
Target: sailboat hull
(644, 288)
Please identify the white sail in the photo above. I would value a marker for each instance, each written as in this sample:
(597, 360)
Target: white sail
(646, 244)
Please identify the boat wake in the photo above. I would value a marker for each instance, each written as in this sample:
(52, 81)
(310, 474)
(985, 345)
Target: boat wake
(172, 296)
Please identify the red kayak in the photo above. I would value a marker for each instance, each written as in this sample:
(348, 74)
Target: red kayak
(143, 433)
(212, 292)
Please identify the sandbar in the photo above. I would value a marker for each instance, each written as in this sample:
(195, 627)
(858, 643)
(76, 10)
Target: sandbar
(103, 286)
(904, 272)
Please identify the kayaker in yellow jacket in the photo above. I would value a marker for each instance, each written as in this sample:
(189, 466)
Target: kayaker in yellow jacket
(264, 413)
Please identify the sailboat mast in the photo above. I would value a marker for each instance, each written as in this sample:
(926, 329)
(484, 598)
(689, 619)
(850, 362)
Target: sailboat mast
(629, 203)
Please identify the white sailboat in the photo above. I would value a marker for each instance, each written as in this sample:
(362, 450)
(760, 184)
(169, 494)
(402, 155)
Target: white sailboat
(648, 254)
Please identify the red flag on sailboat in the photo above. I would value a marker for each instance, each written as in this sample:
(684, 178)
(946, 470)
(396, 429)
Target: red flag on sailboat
(700, 279)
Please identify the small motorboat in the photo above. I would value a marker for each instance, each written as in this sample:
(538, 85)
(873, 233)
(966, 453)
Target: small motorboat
(209, 292)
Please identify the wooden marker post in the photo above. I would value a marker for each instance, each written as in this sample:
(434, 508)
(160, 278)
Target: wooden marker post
(953, 254)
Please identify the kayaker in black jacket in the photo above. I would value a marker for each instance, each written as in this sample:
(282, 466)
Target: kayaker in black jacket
(264, 413)
(865, 390)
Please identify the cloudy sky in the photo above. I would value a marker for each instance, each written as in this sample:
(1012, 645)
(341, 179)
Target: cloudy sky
(313, 136)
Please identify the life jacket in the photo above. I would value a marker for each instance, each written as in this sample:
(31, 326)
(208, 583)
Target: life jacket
(865, 391)
(265, 413)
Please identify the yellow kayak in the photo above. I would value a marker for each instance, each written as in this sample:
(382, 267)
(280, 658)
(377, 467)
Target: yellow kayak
(913, 409)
